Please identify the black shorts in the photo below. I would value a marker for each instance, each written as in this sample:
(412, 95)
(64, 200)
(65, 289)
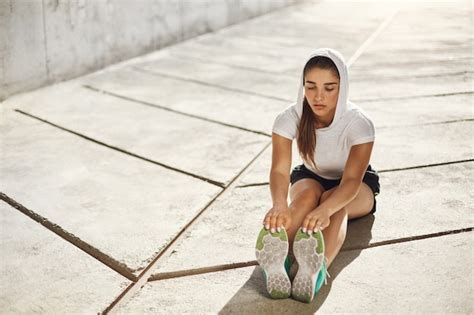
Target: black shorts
(371, 178)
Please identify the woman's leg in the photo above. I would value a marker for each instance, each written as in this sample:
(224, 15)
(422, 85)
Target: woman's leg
(335, 232)
(304, 197)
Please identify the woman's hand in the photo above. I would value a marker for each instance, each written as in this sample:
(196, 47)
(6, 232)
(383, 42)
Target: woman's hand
(276, 218)
(316, 219)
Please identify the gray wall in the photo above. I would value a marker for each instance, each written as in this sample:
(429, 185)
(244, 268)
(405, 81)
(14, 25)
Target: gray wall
(45, 41)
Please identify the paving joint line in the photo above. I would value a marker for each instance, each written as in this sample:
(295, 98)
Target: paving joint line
(110, 262)
(403, 76)
(131, 99)
(380, 171)
(428, 123)
(223, 267)
(372, 37)
(410, 97)
(210, 181)
(223, 87)
(177, 56)
(424, 166)
(142, 279)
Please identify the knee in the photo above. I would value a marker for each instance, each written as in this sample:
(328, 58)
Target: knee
(325, 195)
(306, 198)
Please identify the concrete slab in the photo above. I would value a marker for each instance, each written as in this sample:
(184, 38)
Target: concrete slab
(432, 57)
(440, 44)
(42, 273)
(273, 86)
(313, 24)
(117, 203)
(238, 109)
(426, 144)
(419, 111)
(227, 232)
(153, 133)
(313, 28)
(317, 23)
(379, 88)
(414, 272)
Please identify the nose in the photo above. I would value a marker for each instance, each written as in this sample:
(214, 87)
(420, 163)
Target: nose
(318, 96)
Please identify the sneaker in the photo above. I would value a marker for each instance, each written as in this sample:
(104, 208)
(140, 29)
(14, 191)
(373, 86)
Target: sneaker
(322, 276)
(271, 251)
(312, 271)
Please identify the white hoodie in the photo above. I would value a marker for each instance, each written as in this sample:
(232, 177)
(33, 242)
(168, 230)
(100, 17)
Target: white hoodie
(351, 124)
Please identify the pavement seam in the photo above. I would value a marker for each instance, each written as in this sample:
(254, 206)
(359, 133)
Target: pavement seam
(210, 181)
(177, 56)
(110, 262)
(427, 123)
(223, 87)
(131, 99)
(410, 97)
(144, 276)
(404, 76)
(372, 37)
(379, 171)
(218, 268)
(154, 72)
(424, 166)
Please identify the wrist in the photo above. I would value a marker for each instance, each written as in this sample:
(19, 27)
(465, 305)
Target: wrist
(279, 204)
(324, 209)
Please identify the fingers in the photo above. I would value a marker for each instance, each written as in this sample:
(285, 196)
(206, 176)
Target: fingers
(313, 222)
(266, 221)
(273, 225)
(275, 221)
(281, 222)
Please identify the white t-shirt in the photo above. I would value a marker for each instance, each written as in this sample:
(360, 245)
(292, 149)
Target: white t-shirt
(350, 125)
(332, 144)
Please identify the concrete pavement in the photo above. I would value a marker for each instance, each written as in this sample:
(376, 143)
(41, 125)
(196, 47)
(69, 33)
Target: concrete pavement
(141, 188)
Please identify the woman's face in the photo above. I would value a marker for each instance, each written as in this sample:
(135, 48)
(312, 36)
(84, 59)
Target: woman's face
(321, 87)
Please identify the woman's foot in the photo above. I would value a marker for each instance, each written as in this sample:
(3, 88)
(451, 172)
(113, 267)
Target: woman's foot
(271, 251)
(309, 253)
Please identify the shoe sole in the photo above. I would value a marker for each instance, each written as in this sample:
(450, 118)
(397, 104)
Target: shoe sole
(271, 251)
(309, 253)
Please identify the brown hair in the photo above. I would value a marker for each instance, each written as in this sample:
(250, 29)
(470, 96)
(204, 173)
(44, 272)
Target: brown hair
(306, 138)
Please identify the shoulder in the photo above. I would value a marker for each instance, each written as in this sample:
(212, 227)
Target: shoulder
(361, 127)
(286, 122)
(358, 116)
(289, 112)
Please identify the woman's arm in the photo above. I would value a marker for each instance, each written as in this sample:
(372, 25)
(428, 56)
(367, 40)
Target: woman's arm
(280, 169)
(352, 176)
(279, 214)
(347, 190)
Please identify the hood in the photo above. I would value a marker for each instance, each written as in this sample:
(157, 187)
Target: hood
(343, 104)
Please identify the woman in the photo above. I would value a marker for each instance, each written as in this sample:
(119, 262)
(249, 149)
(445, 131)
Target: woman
(334, 184)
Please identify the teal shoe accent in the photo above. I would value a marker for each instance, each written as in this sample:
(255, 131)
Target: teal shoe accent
(321, 278)
(287, 265)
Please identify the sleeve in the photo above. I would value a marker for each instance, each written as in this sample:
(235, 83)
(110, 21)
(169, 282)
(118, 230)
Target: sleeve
(361, 131)
(286, 123)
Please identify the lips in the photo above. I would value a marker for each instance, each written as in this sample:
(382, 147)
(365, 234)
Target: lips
(319, 105)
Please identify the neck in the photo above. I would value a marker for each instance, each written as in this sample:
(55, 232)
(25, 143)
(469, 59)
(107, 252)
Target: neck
(323, 122)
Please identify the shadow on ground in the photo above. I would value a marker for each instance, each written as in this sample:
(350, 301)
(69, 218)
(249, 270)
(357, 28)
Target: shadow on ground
(253, 298)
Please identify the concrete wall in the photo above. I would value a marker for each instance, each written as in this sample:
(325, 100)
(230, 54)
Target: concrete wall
(45, 41)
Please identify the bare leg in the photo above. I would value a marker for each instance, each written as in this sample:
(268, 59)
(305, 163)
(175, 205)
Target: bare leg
(304, 195)
(335, 233)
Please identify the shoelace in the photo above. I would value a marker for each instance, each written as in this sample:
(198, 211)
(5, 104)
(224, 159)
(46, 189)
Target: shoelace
(327, 273)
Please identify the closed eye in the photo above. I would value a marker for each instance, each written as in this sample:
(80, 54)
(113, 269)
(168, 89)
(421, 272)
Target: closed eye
(312, 88)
